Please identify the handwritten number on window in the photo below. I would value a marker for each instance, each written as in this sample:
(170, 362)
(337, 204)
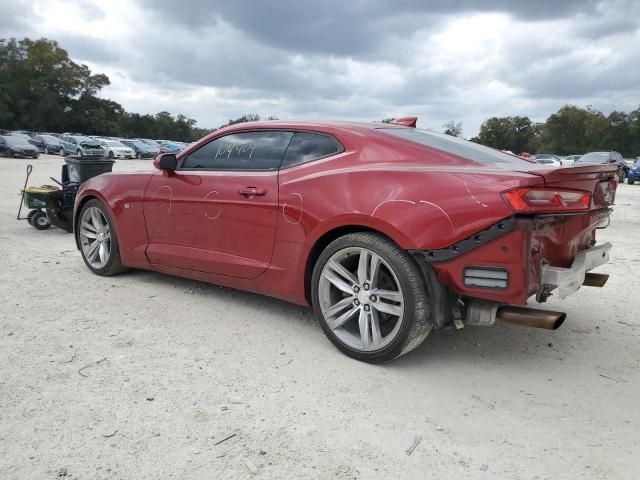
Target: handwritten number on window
(230, 149)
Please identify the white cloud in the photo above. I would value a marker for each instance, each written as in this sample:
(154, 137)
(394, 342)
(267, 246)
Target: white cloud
(213, 62)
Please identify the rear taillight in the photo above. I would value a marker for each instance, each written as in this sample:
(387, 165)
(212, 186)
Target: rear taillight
(547, 200)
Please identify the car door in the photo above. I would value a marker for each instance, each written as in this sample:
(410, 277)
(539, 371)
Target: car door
(217, 212)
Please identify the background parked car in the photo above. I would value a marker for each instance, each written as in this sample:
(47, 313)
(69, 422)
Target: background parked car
(634, 172)
(569, 160)
(81, 146)
(170, 147)
(46, 143)
(21, 135)
(548, 159)
(115, 149)
(143, 150)
(14, 146)
(603, 158)
(149, 141)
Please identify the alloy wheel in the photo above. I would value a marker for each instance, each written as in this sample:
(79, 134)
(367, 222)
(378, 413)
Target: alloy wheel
(361, 299)
(95, 237)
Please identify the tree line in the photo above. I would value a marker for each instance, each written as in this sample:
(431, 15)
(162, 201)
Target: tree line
(571, 130)
(42, 89)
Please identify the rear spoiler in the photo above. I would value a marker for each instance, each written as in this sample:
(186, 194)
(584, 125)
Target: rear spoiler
(406, 121)
(573, 173)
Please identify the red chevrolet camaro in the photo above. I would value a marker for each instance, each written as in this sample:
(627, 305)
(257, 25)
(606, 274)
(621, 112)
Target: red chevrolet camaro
(388, 231)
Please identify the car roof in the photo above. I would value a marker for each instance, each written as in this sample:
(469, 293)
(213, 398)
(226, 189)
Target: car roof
(311, 125)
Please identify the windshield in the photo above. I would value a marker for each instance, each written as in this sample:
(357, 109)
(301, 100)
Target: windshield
(546, 161)
(456, 146)
(594, 157)
(49, 138)
(637, 162)
(16, 141)
(115, 144)
(545, 156)
(85, 139)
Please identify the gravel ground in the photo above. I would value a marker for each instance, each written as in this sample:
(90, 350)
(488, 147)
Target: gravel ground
(149, 376)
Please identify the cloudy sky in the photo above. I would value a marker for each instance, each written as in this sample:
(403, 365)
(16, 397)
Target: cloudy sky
(440, 60)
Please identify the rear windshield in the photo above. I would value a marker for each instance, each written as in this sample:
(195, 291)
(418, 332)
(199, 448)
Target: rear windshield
(595, 157)
(456, 146)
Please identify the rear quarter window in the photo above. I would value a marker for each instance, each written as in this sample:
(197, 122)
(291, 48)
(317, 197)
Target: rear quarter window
(456, 146)
(308, 146)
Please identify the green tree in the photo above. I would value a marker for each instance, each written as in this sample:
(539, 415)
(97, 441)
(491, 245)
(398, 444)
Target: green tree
(574, 130)
(517, 134)
(42, 89)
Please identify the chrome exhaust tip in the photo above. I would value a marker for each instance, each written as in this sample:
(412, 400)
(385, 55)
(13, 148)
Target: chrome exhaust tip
(530, 317)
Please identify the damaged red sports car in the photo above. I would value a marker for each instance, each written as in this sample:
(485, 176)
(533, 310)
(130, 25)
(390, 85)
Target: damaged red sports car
(386, 230)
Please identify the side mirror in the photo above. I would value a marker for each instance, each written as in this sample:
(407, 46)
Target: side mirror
(166, 162)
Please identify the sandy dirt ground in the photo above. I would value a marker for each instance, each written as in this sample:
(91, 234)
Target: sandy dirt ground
(146, 376)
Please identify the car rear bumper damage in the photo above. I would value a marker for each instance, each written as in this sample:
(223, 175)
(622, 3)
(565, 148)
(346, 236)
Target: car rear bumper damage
(491, 275)
(569, 280)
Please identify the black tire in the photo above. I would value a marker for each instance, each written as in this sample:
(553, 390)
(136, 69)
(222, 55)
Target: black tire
(630, 182)
(78, 153)
(36, 155)
(416, 323)
(114, 265)
(62, 152)
(40, 221)
(111, 154)
(139, 156)
(46, 150)
(31, 214)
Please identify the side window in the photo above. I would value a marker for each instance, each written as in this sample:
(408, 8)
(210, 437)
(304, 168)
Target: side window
(305, 147)
(258, 150)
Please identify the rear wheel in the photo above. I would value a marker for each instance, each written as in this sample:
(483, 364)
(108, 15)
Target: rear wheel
(139, 156)
(46, 150)
(111, 154)
(78, 153)
(369, 298)
(98, 241)
(630, 182)
(39, 221)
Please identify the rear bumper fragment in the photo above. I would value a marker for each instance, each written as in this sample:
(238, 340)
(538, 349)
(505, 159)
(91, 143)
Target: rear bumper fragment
(569, 280)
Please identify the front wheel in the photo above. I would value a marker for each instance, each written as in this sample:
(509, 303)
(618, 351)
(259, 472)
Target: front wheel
(111, 154)
(370, 298)
(139, 156)
(630, 182)
(78, 153)
(98, 241)
(46, 150)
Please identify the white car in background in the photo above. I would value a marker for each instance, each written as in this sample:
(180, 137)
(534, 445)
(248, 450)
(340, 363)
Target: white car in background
(115, 149)
(548, 159)
(569, 160)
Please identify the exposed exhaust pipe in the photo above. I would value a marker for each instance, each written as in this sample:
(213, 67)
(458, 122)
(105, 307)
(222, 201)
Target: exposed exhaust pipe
(529, 317)
(485, 313)
(595, 279)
